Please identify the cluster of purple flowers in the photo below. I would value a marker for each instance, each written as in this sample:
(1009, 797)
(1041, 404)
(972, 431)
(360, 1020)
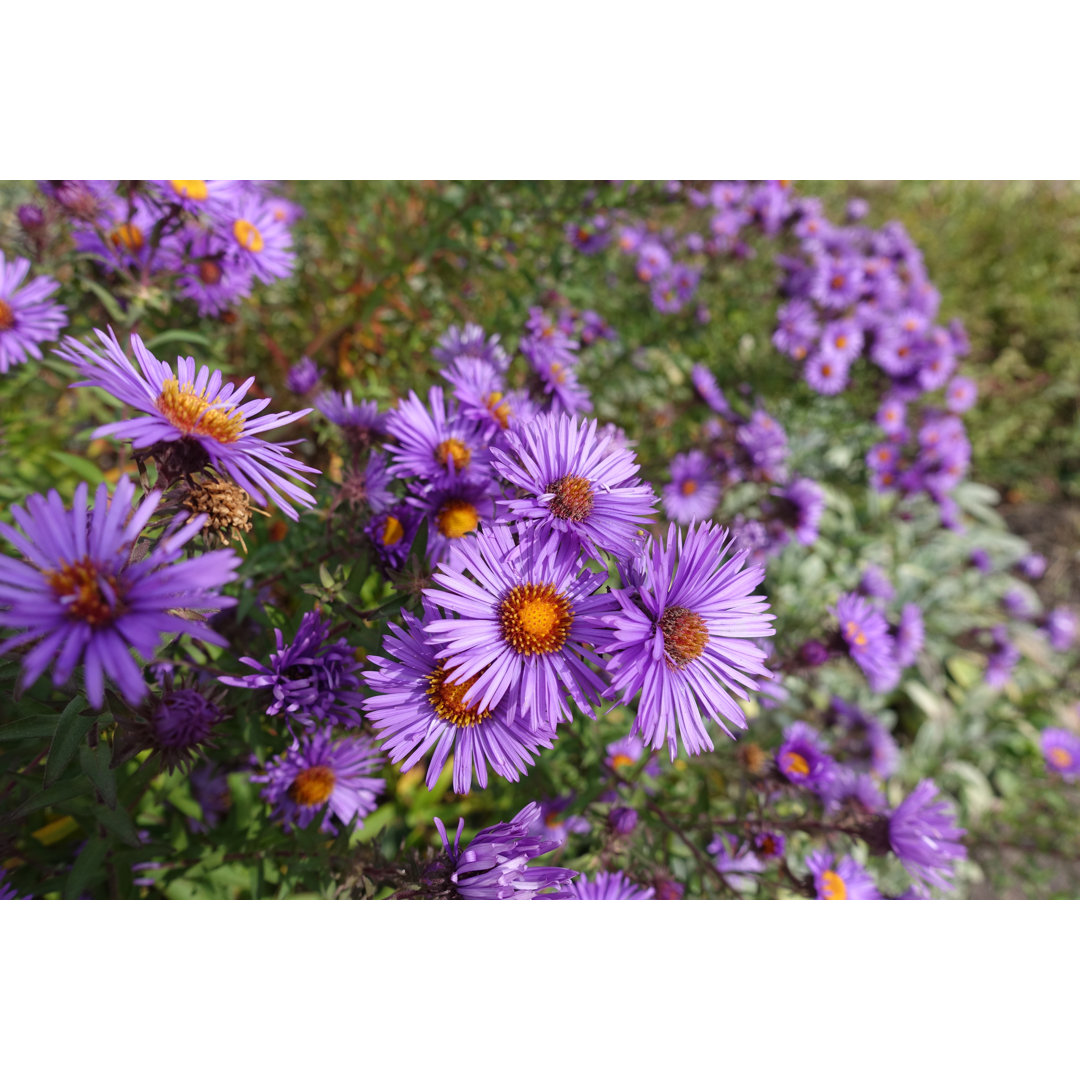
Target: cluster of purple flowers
(28, 317)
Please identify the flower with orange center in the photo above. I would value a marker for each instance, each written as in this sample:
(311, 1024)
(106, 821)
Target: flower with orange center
(7, 316)
(191, 413)
(448, 700)
(1061, 750)
(432, 445)
(535, 619)
(453, 450)
(195, 190)
(693, 493)
(848, 881)
(685, 636)
(312, 786)
(128, 237)
(87, 591)
(248, 236)
(456, 518)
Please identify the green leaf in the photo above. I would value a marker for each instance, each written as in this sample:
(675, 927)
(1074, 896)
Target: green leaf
(190, 337)
(61, 792)
(70, 732)
(118, 823)
(29, 727)
(112, 306)
(83, 469)
(87, 867)
(95, 763)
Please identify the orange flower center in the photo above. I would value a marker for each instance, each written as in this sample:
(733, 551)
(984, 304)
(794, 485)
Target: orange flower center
(841, 341)
(192, 414)
(502, 412)
(447, 700)
(127, 236)
(453, 450)
(209, 272)
(795, 763)
(619, 760)
(689, 487)
(7, 316)
(535, 619)
(392, 532)
(313, 786)
(457, 517)
(1061, 757)
(89, 595)
(573, 499)
(855, 635)
(832, 886)
(190, 189)
(247, 236)
(685, 635)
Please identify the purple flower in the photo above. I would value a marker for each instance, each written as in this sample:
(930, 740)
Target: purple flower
(797, 329)
(891, 416)
(303, 376)
(471, 344)
(196, 196)
(203, 274)
(623, 820)
(589, 237)
(454, 509)
(28, 318)
(528, 620)
(847, 789)
(694, 492)
(674, 288)
(841, 340)
(1060, 628)
(83, 600)
(1017, 604)
(551, 825)
(1032, 565)
(802, 507)
(434, 445)
(195, 409)
(652, 258)
(857, 209)
(981, 561)
(682, 637)
(495, 865)
(391, 533)
(961, 394)
(316, 774)
(874, 749)
(704, 382)
(802, 759)
(1061, 750)
(576, 484)
(736, 863)
(255, 237)
(769, 845)
(415, 709)
(849, 881)
(608, 886)
(554, 367)
(359, 421)
(875, 584)
(826, 374)
(765, 442)
(923, 834)
(310, 679)
(121, 237)
(7, 890)
(865, 634)
(1001, 659)
(183, 721)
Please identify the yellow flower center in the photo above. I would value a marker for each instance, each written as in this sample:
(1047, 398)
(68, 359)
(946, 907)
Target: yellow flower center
(447, 700)
(313, 786)
(247, 236)
(501, 413)
(457, 517)
(192, 414)
(392, 532)
(832, 886)
(535, 619)
(127, 236)
(619, 760)
(795, 763)
(7, 316)
(453, 450)
(190, 189)
(689, 487)
(855, 635)
(841, 341)
(80, 586)
(1061, 757)
(685, 635)
(573, 498)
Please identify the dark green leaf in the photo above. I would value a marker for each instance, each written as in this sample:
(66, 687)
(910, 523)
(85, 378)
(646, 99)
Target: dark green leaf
(118, 823)
(88, 866)
(70, 732)
(58, 793)
(29, 727)
(95, 763)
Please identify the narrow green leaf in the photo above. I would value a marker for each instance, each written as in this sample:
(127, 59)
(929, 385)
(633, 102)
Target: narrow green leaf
(95, 763)
(87, 867)
(118, 823)
(112, 306)
(61, 792)
(29, 727)
(70, 732)
(190, 337)
(83, 469)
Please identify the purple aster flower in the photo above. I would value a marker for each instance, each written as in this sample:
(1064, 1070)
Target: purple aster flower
(826, 374)
(797, 329)
(802, 760)
(857, 209)
(961, 394)
(704, 382)
(849, 881)
(865, 634)
(83, 600)
(589, 237)
(203, 274)
(316, 775)
(552, 825)
(1001, 659)
(681, 637)
(183, 721)
(674, 288)
(1061, 750)
(197, 196)
(194, 408)
(769, 845)
(841, 340)
(847, 789)
(891, 416)
(528, 619)
(1032, 565)
(800, 509)
(923, 834)
(311, 678)
(1060, 628)
(869, 745)
(471, 344)
(392, 532)
(303, 376)
(608, 886)
(415, 710)
(1017, 604)
(376, 483)
(623, 820)
(981, 561)
(627, 751)
(358, 420)
(837, 283)
(652, 258)
(576, 484)
(481, 394)
(594, 327)
(210, 789)
(28, 318)
(694, 492)
(121, 236)
(495, 864)
(763, 438)
(433, 444)
(736, 863)
(910, 635)
(557, 377)
(454, 509)
(255, 237)
(876, 584)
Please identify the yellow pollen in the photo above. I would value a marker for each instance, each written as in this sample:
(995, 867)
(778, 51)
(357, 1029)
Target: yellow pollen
(685, 636)
(502, 412)
(883, 454)
(855, 633)
(457, 517)
(795, 763)
(190, 189)
(841, 341)
(557, 373)
(1061, 757)
(535, 619)
(79, 584)
(689, 487)
(447, 699)
(832, 886)
(453, 450)
(313, 786)
(392, 532)
(7, 316)
(127, 236)
(247, 236)
(573, 498)
(192, 414)
(619, 760)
